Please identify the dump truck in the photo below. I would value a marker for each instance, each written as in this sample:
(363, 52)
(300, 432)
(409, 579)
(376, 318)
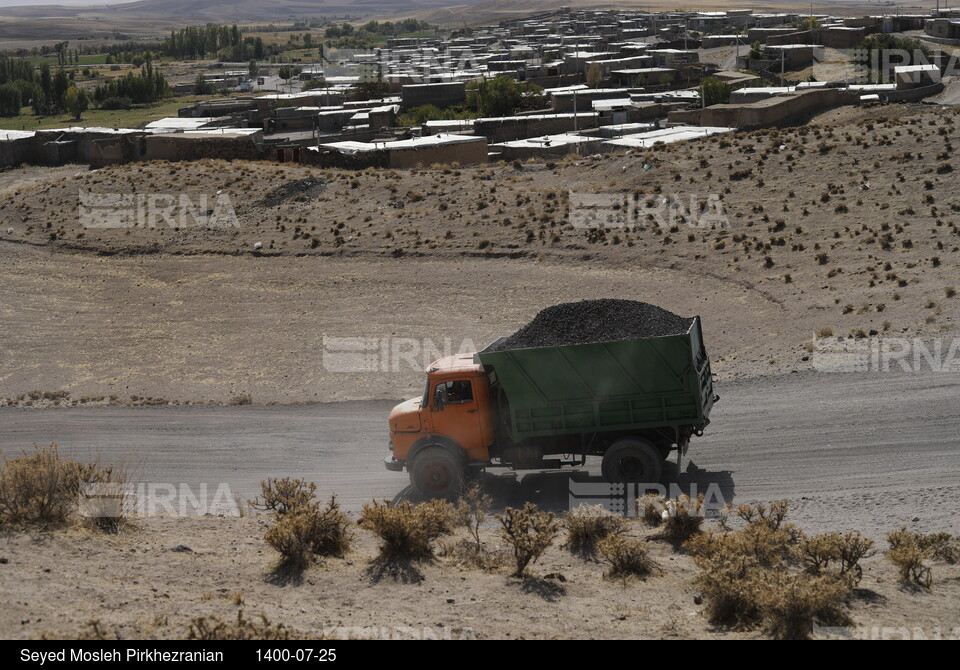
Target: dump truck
(631, 402)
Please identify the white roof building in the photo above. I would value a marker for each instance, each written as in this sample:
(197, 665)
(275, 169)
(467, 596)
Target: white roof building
(667, 136)
(178, 123)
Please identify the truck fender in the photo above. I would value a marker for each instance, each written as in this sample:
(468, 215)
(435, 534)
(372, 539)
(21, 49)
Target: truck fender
(435, 440)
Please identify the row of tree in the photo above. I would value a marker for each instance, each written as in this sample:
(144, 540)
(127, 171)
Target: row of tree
(22, 84)
(201, 41)
(400, 27)
(417, 116)
(53, 92)
(148, 86)
(249, 48)
(134, 58)
(64, 97)
(502, 96)
(377, 28)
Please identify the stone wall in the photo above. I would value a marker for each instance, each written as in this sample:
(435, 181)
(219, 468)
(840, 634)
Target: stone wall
(782, 110)
(518, 128)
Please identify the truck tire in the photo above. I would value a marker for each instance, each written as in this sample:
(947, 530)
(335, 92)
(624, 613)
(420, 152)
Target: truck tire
(632, 460)
(436, 472)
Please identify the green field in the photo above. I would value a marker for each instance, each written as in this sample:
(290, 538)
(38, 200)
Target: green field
(92, 59)
(110, 118)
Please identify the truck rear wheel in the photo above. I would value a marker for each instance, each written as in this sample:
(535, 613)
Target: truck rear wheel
(437, 473)
(632, 460)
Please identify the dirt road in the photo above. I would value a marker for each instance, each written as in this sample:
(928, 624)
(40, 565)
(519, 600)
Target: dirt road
(865, 451)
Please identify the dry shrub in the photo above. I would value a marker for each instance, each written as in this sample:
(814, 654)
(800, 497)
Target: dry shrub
(772, 516)
(766, 538)
(728, 587)
(743, 593)
(529, 532)
(408, 530)
(746, 580)
(723, 517)
(472, 509)
(767, 546)
(942, 546)
(588, 525)
(683, 518)
(627, 557)
(789, 604)
(650, 507)
(910, 551)
(241, 505)
(909, 559)
(213, 627)
(43, 489)
(844, 552)
(310, 531)
(282, 496)
(819, 551)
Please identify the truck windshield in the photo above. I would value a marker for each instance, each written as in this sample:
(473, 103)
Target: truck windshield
(425, 400)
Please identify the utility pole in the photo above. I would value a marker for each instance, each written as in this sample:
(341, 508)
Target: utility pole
(574, 110)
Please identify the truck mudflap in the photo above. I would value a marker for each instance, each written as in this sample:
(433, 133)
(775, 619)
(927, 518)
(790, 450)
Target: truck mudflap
(392, 464)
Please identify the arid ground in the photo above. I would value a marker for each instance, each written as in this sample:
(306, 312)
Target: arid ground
(846, 228)
(137, 586)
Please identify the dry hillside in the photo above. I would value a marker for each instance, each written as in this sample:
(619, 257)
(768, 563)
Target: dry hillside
(848, 225)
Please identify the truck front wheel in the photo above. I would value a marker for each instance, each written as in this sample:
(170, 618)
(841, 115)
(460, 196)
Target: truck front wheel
(632, 460)
(437, 473)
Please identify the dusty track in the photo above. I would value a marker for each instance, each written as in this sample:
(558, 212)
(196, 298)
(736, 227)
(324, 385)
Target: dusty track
(867, 451)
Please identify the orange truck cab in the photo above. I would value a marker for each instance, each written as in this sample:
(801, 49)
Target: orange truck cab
(454, 419)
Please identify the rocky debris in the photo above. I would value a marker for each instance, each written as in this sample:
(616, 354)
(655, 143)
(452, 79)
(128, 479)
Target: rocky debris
(282, 193)
(590, 321)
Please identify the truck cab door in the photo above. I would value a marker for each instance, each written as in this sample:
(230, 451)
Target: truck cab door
(456, 414)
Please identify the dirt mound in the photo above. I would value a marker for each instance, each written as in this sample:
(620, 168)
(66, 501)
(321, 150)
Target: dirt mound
(308, 187)
(591, 321)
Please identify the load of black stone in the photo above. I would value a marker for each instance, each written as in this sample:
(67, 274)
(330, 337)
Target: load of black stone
(591, 321)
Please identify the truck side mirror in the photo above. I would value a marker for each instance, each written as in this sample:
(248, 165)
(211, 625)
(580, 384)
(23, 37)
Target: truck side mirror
(440, 397)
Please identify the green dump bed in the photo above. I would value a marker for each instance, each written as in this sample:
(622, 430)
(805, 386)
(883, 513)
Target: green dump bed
(610, 386)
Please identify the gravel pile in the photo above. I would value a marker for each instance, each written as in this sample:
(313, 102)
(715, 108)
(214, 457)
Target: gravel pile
(590, 321)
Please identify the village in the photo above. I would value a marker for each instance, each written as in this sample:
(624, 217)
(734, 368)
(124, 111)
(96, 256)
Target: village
(580, 82)
(492, 321)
